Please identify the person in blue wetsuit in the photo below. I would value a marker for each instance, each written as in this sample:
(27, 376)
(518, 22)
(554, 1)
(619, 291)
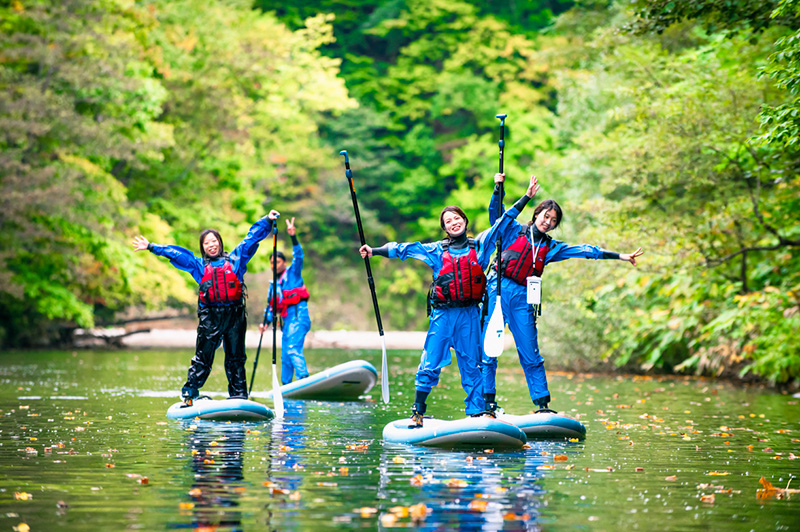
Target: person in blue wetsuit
(221, 302)
(526, 251)
(458, 286)
(292, 309)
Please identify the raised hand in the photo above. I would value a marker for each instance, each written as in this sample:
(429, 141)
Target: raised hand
(290, 230)
(533, 187)
(140, 243)
(631, 257)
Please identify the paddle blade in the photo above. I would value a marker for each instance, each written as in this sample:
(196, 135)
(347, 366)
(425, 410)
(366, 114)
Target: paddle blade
(384, 373)
(277, 398)
(495, 337)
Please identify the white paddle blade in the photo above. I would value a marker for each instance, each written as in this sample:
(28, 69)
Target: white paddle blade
(384, 374)
(495, 338)
(277, 398)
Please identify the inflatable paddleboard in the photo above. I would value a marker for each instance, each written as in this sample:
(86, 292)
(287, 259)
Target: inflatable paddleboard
(546, 426)
(221, 410)
(345, 382)
(467, 432)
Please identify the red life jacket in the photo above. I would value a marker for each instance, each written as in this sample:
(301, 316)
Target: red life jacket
(220, 286)
(518, 263)
(291, 297)
(461, 281)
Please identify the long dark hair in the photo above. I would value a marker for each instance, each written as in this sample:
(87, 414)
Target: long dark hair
(456, 209)
(547, 205)
(203, 236)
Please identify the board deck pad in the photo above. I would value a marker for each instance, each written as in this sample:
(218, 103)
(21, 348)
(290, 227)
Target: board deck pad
(345, 382)
(221, 410)
(546, 426)
(483, 432)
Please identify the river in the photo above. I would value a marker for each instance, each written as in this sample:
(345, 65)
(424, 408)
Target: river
(85, 446)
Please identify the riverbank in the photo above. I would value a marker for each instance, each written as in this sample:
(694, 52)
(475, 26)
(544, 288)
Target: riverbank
(185, 338)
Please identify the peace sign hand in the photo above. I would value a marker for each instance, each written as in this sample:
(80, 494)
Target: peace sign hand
(632, 256)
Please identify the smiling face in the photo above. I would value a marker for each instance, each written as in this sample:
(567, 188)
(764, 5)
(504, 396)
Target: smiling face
(454, 224)
(211, 245)
(546, 220)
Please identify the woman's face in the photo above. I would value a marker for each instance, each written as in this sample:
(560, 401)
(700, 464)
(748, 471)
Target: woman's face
(546, 220)
(211, 245)
(453, 223)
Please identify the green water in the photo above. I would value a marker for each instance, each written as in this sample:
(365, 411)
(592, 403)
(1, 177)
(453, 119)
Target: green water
(85, 443)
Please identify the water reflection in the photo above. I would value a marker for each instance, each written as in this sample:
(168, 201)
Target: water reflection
(481, 490)
(216, 462)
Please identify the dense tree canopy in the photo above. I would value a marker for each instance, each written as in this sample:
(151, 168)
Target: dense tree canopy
(668, 125)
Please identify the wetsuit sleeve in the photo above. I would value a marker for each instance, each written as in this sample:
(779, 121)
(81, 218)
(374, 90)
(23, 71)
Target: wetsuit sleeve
(561, 251)
(248, 247)
(382, 251)
(297, 258)
(495, 203)
(430, 254)
(181, 258)
(506, 227)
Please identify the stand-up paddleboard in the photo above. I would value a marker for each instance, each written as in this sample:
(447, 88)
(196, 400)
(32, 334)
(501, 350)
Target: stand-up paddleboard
(467, 432)
(344, 382)
(221, 410)
(546, 426)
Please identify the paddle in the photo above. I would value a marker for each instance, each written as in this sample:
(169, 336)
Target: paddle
(258, 352)
(384, 363)
(277, 398)
(494, 339)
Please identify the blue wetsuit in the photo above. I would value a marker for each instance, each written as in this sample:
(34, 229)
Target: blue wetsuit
(454, 327)
(296, 323)
(521, 317)
(218, 323)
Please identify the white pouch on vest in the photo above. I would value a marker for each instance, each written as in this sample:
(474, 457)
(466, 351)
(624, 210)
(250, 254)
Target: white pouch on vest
(534, 290)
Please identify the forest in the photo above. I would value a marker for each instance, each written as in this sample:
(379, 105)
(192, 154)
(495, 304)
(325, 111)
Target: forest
(670, 125)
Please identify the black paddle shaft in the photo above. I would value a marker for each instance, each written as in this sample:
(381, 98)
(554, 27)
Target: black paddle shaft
(502, 145)
(264, 322)
(349, 174)
(274, 291)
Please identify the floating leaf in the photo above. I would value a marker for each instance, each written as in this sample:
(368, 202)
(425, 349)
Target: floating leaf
(478, 505)
(456, 483)
(707, 498)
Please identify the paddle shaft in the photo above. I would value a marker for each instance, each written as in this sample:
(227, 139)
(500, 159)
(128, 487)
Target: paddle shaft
(370, 281)
(502, 145)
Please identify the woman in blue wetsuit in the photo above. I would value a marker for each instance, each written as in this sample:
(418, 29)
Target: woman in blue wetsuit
(221, 302)
(526, 251)
(292, 309)
(458, 286)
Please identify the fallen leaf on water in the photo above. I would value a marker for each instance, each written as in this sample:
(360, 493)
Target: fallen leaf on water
(639, 469)
(718, 473)
(22, 496)
(418, 512)
(22, 527)
(399, 460)
(195, 492)
(388, 520)
(574, 440)
(671, 478)
(366, 511)
(560, 458)
(186, 505)
(284, 448)
(295, 496)
(771, 491)
(545, 467)
(456, 483)
(478, 505)
(356, 447)
(516, 517)
(416, 480)
(707, 498)
(344, 471)
(399, 511)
